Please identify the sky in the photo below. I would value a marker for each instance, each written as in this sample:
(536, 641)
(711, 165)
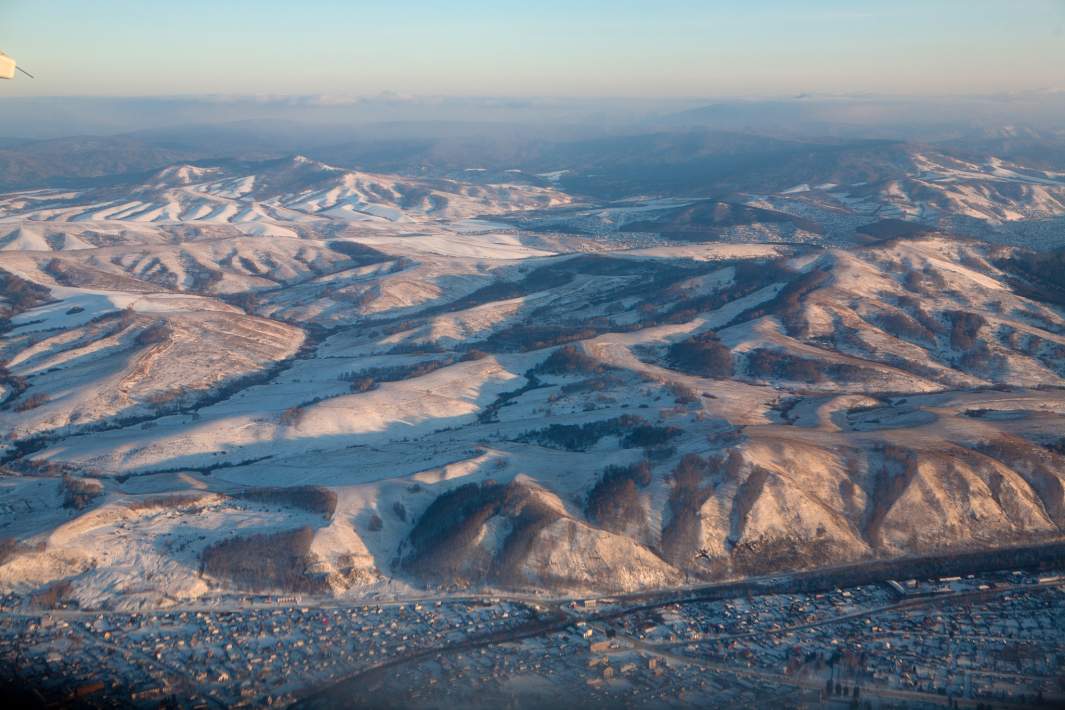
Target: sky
(586, 48)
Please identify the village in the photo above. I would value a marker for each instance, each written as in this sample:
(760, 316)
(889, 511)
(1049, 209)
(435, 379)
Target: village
(255, 656)
(979, 640)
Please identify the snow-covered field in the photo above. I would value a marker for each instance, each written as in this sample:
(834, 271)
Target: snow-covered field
(487, 407)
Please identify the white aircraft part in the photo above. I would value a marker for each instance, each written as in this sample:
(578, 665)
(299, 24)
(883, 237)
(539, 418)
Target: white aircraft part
(7, 67)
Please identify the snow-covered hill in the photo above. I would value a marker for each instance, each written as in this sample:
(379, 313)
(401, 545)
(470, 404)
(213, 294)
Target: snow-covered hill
(224, 351)
(275, 198)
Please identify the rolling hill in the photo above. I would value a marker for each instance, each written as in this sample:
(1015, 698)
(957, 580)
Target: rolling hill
(495, 385)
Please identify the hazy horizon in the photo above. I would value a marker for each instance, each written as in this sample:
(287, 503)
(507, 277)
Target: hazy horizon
(674, 49)
(896, 117)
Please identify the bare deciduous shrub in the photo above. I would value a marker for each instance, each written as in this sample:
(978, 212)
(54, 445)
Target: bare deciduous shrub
(926, 281)
(682, 394)
(761, 557)
(964, 328)
(649, 436)
(775, 364)
(361, 253)
(157, 332)
(78, 492)
(8, 547)
(528, 517)
(247, 301)
(525, 337)
(703, 355)
(978, 359)
(691, 483)
(367, 379)
(788, 303)
(633, 432)
(912, 306)
(1040, 466)
(411, 196)
(1040, 274)
(15, 383)
(363, 384)
(32, 402)
(896, 470)
(614, 503)
(599, 383)
(316, 499)
(168, 502)
(164, 397)
(904, 326)
(19, 294)
(446, 540)
(443, 538)
(291, 416)
(569, 360)
(52, 596)
(746, 495)
(201, 280)
(266, 561)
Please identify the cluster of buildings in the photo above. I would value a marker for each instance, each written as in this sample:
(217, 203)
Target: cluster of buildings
(1003, 647)
(585, 665)
(970, 641)
(680, 623)
(254, 656)
(977, 639)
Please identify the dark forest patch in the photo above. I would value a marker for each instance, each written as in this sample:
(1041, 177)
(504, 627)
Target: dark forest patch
(702, 355)
(266, 561)
(314, 499)
(633, 431)
(614, 503)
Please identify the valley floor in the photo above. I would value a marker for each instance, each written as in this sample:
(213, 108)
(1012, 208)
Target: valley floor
(989, 639)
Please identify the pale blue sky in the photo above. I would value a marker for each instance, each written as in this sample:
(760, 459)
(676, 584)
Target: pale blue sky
(534, 47)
